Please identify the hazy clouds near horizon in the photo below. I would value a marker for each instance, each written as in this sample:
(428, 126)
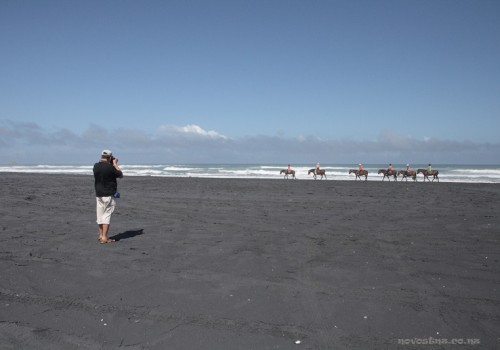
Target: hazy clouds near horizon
(29, 143)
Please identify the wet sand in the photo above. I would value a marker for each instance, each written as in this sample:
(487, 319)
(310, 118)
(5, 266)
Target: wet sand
(248, 264)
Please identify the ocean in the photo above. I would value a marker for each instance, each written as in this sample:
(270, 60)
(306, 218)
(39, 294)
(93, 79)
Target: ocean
(447, 172)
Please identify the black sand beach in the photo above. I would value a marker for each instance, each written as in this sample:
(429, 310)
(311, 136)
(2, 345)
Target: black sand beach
(249, 264)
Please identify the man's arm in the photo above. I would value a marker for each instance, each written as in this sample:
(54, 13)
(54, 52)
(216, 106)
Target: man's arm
(117, 167)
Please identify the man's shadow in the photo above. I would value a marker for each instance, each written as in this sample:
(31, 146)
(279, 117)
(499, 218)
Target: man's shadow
(127, 234)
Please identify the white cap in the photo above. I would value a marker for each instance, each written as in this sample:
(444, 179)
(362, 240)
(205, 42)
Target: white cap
(106, 153)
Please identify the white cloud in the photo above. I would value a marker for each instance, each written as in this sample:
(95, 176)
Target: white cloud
(190, 129)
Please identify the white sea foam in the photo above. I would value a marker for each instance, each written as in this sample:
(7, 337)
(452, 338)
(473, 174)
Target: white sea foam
(177, 168)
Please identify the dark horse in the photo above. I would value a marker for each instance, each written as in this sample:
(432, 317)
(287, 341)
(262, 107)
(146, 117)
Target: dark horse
(433, 173)
(359, 173)
(388, 175)
(316, 172)
(407, 174)
(287, 172)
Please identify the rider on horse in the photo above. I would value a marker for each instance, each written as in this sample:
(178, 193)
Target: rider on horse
(429, 169)
(408, 169)
(317, 168)
(389, 169)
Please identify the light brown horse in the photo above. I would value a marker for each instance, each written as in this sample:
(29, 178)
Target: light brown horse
(407, 174)
(359, 173)
(433, 173)
(317, 172)
(287, 172)
(393, 173)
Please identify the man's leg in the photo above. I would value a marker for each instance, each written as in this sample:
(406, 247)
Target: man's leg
(105, 207)
(105, 229)
(99, 212)
(103, 233)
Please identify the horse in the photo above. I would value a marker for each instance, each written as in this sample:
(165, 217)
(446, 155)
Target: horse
(433, 173)
(385, 172)
(359, 173)
(288, 172)
(407, 174)
(317, 172)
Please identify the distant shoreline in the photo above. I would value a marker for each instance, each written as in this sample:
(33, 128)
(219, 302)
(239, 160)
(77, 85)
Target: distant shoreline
(447, 173)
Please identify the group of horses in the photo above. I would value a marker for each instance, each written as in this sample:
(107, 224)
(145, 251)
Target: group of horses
(359, 173)
(315, 172)
(412, 174)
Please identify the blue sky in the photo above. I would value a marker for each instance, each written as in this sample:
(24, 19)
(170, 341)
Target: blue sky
(250, 81)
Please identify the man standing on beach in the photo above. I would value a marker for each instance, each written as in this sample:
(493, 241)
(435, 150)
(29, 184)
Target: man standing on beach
(106, 171)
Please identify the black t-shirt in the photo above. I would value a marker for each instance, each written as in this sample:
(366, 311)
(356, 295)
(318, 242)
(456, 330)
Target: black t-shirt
(105, 176)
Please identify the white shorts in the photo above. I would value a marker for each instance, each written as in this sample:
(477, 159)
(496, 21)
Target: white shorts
(105, 207)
